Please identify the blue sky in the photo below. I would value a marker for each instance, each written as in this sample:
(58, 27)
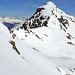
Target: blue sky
(22, 8)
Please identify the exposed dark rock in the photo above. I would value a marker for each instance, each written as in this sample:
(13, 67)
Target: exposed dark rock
(70, 35)
(36, 49)
(25, 25)
(34, 25)
(45, 23)
(39, 10)
(56, 6)
(29, 23)
(42, 17)
(64, 22)
(21, 27)
(39, 22)
(74, 68)
(71, 70)
(70, 43)
(37, 15)
(58, 69)
(52, 12)
(64, 29)
(17, 28)
(35, 20)
(55, 15)
(60, 26)
(46, 35)
(25, 35)
(31, 17)
(13, 35)
(23, 57)
(48, 18)
(14, 46)
(38, 37)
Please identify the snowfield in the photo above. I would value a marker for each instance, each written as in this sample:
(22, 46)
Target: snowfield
(44, 45)
(28, 62)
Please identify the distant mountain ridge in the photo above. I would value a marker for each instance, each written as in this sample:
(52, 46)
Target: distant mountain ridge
(10, 22)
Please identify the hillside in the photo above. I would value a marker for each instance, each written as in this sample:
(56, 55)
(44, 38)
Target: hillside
(17, 58)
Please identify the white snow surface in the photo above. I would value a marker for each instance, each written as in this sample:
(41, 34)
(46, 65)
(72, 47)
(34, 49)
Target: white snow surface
(43, 50)
(55, 43)
(28, 62)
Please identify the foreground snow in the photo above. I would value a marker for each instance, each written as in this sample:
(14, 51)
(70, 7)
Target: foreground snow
(28, 62)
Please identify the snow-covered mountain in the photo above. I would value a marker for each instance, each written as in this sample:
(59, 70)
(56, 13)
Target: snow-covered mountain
(51, 32)
(11, 22)
(43, 45)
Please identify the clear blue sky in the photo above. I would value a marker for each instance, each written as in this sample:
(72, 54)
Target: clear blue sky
(22, 8)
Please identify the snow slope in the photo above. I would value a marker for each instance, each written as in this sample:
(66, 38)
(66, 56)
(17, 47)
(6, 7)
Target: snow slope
(50, 32)
(26, 62)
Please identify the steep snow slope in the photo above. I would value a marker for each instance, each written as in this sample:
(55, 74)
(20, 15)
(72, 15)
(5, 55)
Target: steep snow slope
(50, 31)
(17, 58)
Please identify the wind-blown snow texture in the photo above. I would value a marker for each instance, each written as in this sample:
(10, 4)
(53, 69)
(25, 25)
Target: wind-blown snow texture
(44, 45)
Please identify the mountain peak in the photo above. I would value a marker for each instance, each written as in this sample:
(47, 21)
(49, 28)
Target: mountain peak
(45, 14)
(49, 3)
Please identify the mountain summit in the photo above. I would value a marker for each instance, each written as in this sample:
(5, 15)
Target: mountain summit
(50, 30)
(45, 14)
